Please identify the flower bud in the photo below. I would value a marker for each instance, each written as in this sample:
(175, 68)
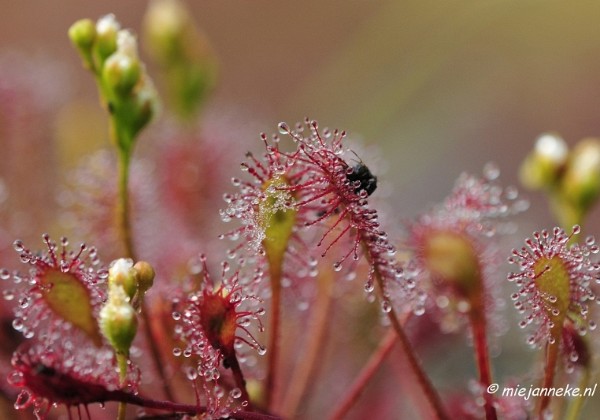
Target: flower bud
(82, 34)
(118, 320)
(121, 73)
(188, 61)
(581, 182)
(544, 164)
(145, 275)
(107, 29)
(121, 273)
(164, 25)
(146, 105)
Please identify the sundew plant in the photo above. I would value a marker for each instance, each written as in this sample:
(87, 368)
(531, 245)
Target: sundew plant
(203, 280)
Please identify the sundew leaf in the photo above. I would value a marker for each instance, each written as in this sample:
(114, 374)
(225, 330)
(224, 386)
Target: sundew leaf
(68, 298)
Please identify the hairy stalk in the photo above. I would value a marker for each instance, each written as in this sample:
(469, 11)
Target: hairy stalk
(274, 325)
(238, 376)
(306, 368)
(364, 377)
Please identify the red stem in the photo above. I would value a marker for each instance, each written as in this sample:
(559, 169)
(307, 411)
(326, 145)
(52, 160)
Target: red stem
(552, 352)
(368, 371)
(478, 325)
(273, 347)
(240, 382)
(306, 370)
(172, 407)
(424, 382)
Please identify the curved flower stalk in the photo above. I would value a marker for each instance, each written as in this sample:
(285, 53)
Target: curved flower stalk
(554, 293)
(66, 359)
(209, 322)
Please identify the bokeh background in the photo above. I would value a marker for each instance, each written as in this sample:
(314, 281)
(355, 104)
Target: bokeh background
(438, 87)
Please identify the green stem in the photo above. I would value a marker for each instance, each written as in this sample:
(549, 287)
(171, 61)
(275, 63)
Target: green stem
(122, 362)
(124, 217)
(126, 231)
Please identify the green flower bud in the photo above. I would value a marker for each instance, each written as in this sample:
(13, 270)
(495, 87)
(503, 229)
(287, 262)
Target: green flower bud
(121, 73)
(121, 274)
(107, 29)
(581, 182)
(118, 320)
(165, 24)
(82, 34)
(543, 166)
(184, 53)
(146, 105)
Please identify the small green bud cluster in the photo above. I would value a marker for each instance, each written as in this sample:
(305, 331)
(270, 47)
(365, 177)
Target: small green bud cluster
(189, 65)
(127, 284)
(571, 177)
(111, 54)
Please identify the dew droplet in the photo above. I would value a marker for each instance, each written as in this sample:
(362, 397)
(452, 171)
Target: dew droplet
(386, 306)
(491, 171)
(283, 128)
(23, 400)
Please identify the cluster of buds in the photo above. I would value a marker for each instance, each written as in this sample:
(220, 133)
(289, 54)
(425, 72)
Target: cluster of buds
(183, 52)
(127, 284)
(571, 177)
(111, 54)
